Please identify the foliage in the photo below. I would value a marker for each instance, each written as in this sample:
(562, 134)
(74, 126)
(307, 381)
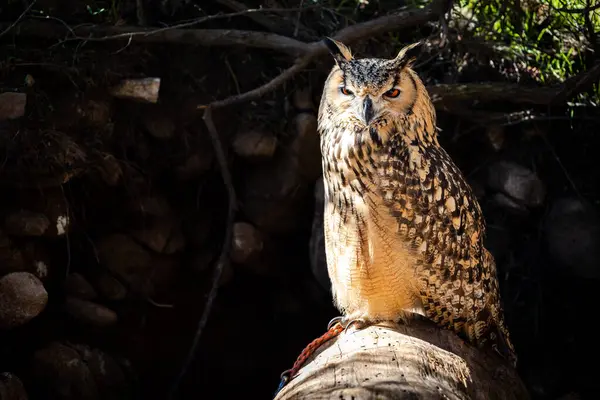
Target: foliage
(548, 38)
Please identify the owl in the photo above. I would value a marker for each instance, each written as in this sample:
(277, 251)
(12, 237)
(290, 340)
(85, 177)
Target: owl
(404, 233)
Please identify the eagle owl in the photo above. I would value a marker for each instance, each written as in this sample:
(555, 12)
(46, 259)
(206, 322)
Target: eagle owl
(403, 231)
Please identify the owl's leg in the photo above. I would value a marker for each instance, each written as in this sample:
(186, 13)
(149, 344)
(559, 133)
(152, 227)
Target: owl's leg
(347, 321)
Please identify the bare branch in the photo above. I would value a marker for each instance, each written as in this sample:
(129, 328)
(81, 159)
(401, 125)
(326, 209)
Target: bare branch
(225, 250)
(388, 23)
(577, 84)
(272, 23)
(203, 37)
(264, 89)
(225, 37)
(492, 91)
(5, 31)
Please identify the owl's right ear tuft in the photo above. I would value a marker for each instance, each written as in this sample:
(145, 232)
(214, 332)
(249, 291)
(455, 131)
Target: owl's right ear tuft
(340, 52)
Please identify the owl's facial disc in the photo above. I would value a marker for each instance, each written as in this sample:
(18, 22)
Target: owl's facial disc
(368, 102)
(368, 89)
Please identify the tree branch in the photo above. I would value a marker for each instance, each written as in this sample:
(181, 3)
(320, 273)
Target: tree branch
(388, 23)
(446, 94)
(306, 52)
(225, 250)
(415, 361)
(9, 27)
(202, 37)
(577, 84)
(276, 24)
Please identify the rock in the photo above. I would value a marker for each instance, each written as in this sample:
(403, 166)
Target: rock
(306, 144)
(316, 244)
(30, 257)
(143, 90)
(572, 233)
(12, 105)
(11, 387)
(254, 144)
(94, 109)
(110, 288)
(247, 242)
(496, 136)
(194, 166)
(273, 195)
(42, 213)
(22, 298)
(77, 372)
(77, 286)
(155, 205)
(158, 124)
(110, 170)
(127, 259)
(110, 373)
(62, 374)
(517, 182)
(503, 201)
(26, 223)
(37, 258)
(11, 258)
(163, 236)
(54, 205)
(90, 313)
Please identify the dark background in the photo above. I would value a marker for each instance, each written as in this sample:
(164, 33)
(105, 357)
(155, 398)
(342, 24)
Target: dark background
(147, 207)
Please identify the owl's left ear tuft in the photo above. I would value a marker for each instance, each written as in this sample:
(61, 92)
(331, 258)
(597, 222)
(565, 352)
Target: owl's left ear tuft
(340, 52)
(406, 56)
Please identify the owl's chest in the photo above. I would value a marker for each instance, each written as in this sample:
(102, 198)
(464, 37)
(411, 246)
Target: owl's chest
(371, 267)
(361, 232)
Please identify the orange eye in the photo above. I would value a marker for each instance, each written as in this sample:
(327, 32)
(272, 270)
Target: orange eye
(345, 91)
(392, 93)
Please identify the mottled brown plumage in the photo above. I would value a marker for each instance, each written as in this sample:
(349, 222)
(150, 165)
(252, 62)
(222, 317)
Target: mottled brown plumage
(403, 231)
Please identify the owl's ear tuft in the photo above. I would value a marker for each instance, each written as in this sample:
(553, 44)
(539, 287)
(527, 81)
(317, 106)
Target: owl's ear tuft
(340, 52)
(406, 56)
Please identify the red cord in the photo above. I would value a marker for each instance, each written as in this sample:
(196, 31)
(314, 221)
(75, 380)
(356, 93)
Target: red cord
(313, 346)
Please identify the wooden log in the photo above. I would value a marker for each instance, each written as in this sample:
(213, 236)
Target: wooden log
(416, 361)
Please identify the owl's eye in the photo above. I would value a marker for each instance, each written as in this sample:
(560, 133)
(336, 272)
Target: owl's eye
(345, 91)
(393, 93)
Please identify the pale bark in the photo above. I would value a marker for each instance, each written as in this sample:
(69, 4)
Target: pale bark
(403, 362)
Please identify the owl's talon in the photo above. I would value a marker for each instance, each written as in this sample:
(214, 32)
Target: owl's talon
(335, 320)
(361, 324)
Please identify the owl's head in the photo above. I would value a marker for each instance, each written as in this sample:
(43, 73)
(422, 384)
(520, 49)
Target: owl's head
(370, 93)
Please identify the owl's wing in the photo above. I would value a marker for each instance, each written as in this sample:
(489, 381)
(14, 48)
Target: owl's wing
(438, 214)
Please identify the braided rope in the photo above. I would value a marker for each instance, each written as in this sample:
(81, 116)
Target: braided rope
(308, 351)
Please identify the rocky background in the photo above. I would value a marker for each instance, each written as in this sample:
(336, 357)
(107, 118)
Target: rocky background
(114, 208)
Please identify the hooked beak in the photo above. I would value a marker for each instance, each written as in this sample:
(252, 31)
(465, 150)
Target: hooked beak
(367, 110)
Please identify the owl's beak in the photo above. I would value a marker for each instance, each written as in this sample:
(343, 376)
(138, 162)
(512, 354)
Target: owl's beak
(367, 110)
